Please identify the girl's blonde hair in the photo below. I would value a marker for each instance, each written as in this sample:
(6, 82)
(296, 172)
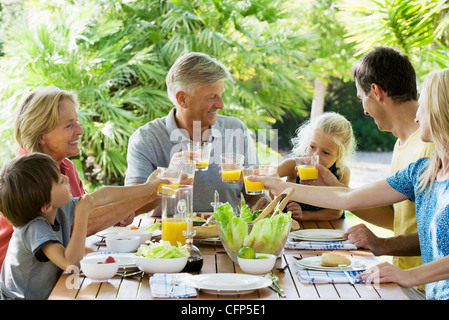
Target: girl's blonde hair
(333, 124)
(38, 113)
(434, 99)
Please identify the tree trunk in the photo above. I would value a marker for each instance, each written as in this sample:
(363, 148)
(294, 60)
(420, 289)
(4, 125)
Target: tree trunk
(318, 98)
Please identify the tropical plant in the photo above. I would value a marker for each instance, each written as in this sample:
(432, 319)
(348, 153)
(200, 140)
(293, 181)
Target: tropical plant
(415, 27)
(117, 61)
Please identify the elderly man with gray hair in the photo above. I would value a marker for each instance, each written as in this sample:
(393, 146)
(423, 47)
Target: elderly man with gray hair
(195, 85)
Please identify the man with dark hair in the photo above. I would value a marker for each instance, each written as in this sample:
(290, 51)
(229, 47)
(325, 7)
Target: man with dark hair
(386, 84)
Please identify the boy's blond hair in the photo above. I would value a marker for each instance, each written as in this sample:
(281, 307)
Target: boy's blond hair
(25, 186)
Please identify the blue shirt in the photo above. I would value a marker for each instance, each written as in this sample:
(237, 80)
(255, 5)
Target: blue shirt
(432, 217)
(26, 272)
(153, 145)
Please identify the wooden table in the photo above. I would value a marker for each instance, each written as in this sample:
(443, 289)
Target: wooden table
(217, 261)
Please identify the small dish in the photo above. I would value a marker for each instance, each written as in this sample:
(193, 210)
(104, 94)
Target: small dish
(258, 265)
(145, 235)
(98, 268)
(122, 243)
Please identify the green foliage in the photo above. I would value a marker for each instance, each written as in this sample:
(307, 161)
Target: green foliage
(115, 55)
(408, 25)
(116, 62)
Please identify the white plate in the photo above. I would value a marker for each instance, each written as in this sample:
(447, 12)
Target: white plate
(314, 263)
(228, 283)
(126, 259)
(115, 230)
(317, 234)
(214, 241)
(110, 231)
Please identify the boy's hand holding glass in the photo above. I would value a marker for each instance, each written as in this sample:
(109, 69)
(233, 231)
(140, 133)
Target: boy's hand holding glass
(186, 165)
(172, 175)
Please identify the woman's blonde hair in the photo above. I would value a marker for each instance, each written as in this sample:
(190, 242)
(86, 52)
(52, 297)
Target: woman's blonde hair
(38, 113)
(434, 100)
(333, 124)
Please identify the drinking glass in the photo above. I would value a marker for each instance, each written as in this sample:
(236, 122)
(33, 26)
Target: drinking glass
(231, 167)
(171, 174)
(177, 210)
(306, 168)
(256, 187)
(201, 152)
(186, 166)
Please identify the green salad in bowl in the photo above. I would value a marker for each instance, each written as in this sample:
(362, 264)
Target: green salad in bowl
(267, 235)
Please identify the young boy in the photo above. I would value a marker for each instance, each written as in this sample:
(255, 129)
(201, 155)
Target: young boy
(49, 226)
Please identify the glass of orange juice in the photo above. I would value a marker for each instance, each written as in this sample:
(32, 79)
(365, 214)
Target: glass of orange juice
(171, 174)
(231, 167)
(177, 210)
(201, 153)
(187, 168)
(256, 187)
(306, 168)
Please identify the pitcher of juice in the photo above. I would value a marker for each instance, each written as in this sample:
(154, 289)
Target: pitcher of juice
(177, 206)
(306, 168)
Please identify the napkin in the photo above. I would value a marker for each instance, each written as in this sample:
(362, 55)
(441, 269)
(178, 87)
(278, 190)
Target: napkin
(323, 245)
(161, 284)
(312, 276)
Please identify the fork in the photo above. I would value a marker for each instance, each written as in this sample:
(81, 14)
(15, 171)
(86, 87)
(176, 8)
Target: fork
(174, 281)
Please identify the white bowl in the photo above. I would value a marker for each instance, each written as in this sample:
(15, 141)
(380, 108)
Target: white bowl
(122, 243)
(97, 269)
(151, 265)
(258, 266)
(142, 233)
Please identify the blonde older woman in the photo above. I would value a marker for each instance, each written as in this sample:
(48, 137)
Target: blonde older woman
(425, 182)
(47, 121)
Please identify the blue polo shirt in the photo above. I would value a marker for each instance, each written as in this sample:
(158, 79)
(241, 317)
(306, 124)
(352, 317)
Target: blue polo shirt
(154, 144)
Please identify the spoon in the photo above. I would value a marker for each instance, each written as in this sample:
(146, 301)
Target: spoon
(275, 286)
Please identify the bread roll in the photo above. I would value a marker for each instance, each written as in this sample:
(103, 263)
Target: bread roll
(203, 232)
(330, 259)
(295, 225)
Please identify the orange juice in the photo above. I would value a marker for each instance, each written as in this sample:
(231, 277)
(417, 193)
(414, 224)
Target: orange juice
(231, 176)
(307, 173)
(173, 182)
(253, 187)
(203, 164)
(172, 229)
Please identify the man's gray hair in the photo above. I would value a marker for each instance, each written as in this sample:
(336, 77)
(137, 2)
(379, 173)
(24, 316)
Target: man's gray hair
(193, 70)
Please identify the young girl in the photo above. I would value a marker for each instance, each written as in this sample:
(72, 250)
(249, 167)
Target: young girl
(425, 182)
(49, 225)
(329, 136)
